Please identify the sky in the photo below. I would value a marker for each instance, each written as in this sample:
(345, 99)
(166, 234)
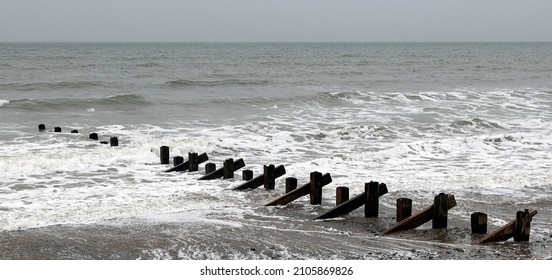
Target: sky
(275, 20)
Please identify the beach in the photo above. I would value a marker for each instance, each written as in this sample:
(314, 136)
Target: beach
(467, 119)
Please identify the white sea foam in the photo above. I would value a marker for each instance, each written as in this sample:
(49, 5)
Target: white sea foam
(62, 178)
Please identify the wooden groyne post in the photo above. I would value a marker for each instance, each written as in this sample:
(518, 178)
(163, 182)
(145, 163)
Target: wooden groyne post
(210, 167)
(178, 160)
(164, 154)
(404, 208)
(422, 217)
(269, 176)
(440, 211)
(263, 178)
(316, 188)
(299, 192)
(93, 136)
(247, 175)
(57, 129)
(41, 127)
(291, 184)
(113, 141)
(518, 228)
(185, 165)
(193, 162)
(479, 223)
(352, 204)
(228, 169)
(341, 195)
(371, 207)
(225, 172)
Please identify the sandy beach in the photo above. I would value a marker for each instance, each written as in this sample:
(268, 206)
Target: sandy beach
(259, 238)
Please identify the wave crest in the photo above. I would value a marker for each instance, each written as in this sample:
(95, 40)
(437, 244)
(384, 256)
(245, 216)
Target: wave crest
(205, 83)
(127, 99)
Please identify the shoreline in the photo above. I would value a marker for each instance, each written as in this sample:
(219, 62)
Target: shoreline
(261, 238)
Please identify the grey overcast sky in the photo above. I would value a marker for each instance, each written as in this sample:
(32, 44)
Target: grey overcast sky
(275, 20)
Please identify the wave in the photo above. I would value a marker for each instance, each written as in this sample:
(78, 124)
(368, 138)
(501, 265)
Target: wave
(204, 83)
(476, 123)
(51, 85)
(31, 104)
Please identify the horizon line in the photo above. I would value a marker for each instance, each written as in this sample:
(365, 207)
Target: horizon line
(275, 42)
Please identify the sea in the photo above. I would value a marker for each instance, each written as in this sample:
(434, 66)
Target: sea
(469, 119)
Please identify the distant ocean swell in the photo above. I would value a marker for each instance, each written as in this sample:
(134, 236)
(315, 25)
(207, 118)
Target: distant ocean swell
(117, 100)
(37, 86)
(207, 83)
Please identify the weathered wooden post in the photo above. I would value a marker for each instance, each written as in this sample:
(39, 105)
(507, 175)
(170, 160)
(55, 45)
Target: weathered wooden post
(210, 167)
(41, 127)
(440, 211)
(228, 169)
(404, 208)
(261, 180)
(341, 195)
(247, 175)
(178, 160)
(421, 217)
(181, 165)
(193, 161)
(74, 131)
(269, 177)
(114, 141)
(299, 192)
(479, 223)
(164, 154)
(351, 204)
(291, 184)
(371, 208)
(315, 188)
(93, 136)
(57, 129)
(522, 226)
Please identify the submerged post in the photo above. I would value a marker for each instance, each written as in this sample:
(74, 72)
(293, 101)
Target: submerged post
(41, 127)
(93, 136)
(178, 160)
(404, 208)
(247, 175)
(210, 167)
(371, 208)
(479, 223)
(193, 161)
(57, 129)
(228, 169)
(440, 211)
(269, 177)
(74, 131)
(341, 195)
(114, 141)
(291, 184)
(316, 188)
(164, 154)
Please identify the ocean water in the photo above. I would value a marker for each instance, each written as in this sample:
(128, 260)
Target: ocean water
(470, 119)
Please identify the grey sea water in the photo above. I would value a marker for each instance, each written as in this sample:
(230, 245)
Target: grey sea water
(470, 119)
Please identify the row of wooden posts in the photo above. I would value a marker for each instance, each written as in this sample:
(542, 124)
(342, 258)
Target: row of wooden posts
(518, 228)
(437, 212)
(113, 141)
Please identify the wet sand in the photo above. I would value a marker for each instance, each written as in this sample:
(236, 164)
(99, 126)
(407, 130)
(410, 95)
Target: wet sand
(258, 236)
